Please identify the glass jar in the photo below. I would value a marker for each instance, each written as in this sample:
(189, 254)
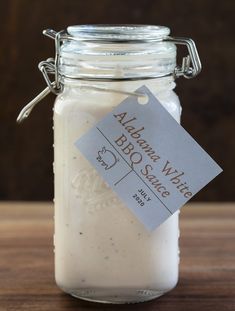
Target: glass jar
(102, 252)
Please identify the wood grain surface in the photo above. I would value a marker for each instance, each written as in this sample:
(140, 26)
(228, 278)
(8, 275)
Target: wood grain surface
(207, 268)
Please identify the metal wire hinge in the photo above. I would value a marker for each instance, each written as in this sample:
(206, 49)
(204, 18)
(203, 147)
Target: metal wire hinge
(51, 67)
(186, 70)
(47, 68)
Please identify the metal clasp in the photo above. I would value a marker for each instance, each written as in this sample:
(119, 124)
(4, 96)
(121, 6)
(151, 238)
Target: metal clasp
(186, 70)
(51, 67)
(47, 68)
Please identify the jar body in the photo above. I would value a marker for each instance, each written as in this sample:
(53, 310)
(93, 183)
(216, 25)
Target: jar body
(102, 252)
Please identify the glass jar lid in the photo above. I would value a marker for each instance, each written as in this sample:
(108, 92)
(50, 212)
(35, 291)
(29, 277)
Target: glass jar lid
(118, 32)
(116, 52)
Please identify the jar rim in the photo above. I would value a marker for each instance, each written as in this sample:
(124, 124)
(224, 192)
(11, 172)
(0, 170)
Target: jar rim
(118, 32)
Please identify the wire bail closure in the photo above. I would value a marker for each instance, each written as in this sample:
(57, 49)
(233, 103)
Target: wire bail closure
(186, 70)
(51, 66)
(190, 67)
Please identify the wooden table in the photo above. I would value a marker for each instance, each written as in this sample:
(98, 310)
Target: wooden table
(207, 268)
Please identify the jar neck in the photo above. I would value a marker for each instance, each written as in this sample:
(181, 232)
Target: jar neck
(159, 85)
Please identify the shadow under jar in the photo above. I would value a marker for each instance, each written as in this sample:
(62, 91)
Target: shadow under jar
(102, 252)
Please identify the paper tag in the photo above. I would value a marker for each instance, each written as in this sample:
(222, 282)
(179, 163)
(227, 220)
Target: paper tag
(147, 158)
